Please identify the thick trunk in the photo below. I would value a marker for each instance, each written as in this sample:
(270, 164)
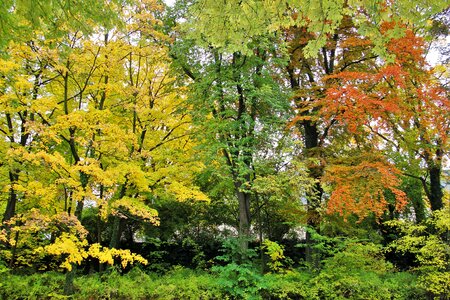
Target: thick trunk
(419, 209)
(244, 213)
(14, 251)
(435, 192)
(311, 135)
(69, 288)
(117, 228)
(79, 209)
(415, 194)
(311, 138)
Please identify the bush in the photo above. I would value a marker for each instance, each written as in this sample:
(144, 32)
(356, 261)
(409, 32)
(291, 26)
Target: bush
(361, 272)
(179, 283)
(292, 285)
(404, 285)
(239, 277)
(48, 285)
(429, 243)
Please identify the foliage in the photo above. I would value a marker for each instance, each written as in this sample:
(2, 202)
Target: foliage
(359, 186)
(291, 285)
(325, 246)
(239, 281)
(429, 243)
(136, 138)
(19, 18)
(357, 272)
(399, 108)
(239, 277)
(180, 283)
(91, 120)
(276, 255)
(177, 284)
(61, 236)
(232, 27)
(31, 232)
(35, 286)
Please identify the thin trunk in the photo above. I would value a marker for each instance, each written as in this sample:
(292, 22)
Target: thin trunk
(73, 148)
(261, 251)
(80, 204)
(101, 266)
(14, 250)
(12, 198)
(13, 177)
(419, 208)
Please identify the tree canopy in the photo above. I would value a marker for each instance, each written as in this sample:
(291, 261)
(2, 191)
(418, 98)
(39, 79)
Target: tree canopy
(283, 149)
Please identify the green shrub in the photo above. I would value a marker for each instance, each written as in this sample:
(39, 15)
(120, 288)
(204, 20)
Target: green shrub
(239, 278)
(357, 272)
(292, 285)
(239, 281)
(187, 284)
(178, 283)
(403, 285)
(429, 243)
(48, 285)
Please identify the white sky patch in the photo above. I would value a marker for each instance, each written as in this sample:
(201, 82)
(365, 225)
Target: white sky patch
(169, 2)
(434, 56)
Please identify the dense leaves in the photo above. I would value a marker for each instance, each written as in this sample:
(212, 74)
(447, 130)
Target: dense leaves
(224, 150)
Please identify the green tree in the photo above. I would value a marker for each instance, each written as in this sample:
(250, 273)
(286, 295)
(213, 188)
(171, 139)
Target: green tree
(238, 103)
(20, 20)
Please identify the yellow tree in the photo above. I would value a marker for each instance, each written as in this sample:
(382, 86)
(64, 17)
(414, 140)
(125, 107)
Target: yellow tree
(109, 128)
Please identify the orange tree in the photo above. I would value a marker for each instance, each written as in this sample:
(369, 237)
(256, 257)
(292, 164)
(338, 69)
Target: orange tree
(401, 108)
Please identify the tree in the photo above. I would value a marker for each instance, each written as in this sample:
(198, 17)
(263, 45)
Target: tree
(322, 38)
(402, 106)
(232, 27)
(237, 102)
(21, 19)
(108, 127)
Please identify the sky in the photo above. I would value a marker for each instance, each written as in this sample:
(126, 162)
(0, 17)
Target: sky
(169, 2)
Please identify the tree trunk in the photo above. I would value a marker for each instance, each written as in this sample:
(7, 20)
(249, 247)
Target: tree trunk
(117, 228)
(69, 288)
(415, 194)
(12, 199)
(244, 216)
(435, 192)
(14, 251)
(311, 138)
